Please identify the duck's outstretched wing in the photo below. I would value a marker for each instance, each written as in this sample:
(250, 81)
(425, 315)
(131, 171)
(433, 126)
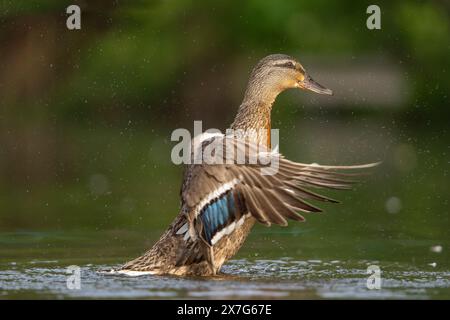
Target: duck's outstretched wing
(272, 189)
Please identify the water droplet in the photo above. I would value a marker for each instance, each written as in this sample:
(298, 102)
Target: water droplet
(393, 205)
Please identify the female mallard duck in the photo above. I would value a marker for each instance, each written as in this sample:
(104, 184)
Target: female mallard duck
(220, 203)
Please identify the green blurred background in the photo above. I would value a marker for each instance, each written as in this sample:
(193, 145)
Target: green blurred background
(86, 116)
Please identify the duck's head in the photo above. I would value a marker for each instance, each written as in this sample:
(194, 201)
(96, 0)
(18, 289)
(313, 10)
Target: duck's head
(278, 72)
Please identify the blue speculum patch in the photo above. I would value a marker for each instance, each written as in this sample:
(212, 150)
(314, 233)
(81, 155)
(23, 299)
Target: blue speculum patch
(218, 214)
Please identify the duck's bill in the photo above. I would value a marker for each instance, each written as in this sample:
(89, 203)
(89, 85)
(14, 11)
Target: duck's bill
(309, 84)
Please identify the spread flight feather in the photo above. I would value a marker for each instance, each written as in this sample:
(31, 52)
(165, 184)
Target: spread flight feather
(270, 199)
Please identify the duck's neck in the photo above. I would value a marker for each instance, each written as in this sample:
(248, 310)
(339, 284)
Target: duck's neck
(253, 116)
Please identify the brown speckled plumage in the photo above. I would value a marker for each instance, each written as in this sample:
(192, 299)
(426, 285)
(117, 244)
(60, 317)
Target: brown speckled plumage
(186, 248)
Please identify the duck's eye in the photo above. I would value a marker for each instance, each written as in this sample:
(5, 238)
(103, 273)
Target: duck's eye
(288, 64)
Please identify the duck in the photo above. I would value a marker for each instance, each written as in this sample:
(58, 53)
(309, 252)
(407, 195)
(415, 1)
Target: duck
(222, 202)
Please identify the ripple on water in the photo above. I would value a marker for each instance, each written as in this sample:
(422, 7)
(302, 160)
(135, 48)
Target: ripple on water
(278, 279)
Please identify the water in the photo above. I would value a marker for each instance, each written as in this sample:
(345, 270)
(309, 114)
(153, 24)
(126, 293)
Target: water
(34, 266)
(397, 219)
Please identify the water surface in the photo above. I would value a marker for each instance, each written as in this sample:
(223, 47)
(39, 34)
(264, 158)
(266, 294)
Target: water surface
(34, 265)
